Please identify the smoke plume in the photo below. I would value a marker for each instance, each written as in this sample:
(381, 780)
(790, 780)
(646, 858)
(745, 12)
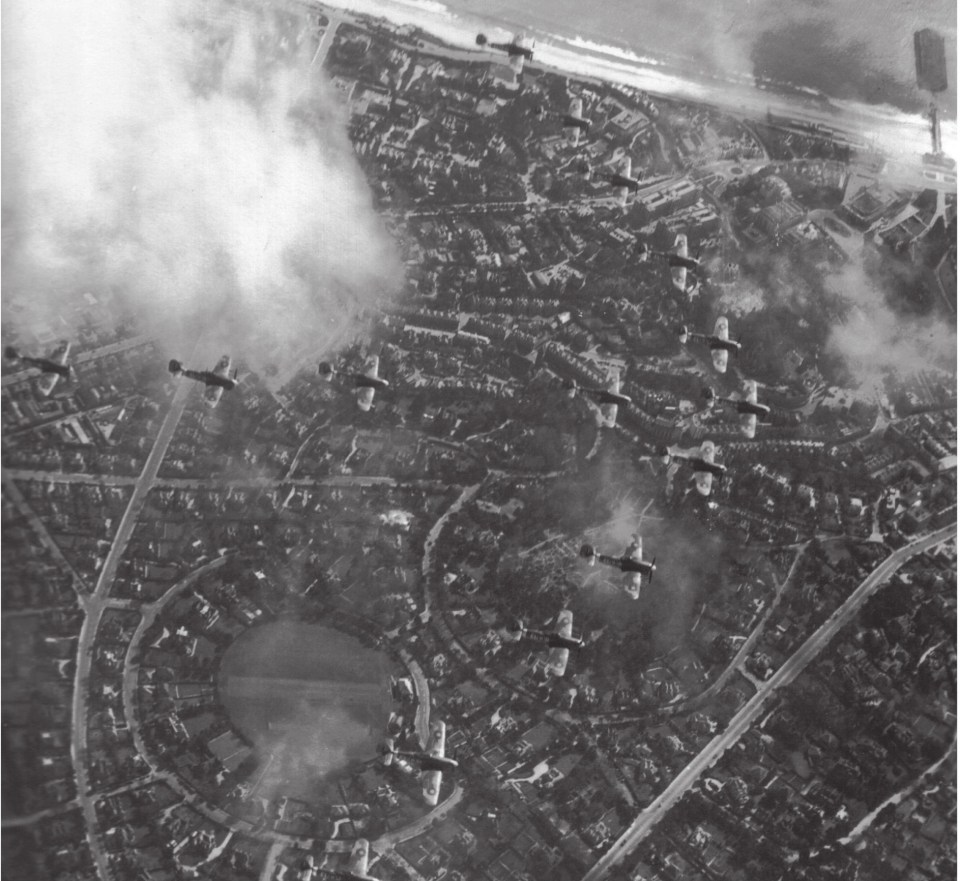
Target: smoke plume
(876, 339)
(189, 162)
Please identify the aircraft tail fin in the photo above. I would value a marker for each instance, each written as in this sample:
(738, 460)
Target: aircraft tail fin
(684, 333)
(653, 568)
(326, 370)
(571, 386)
(589, 553)
(175, 366)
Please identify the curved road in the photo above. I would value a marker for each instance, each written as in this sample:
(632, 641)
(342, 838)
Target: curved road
(94, 606)
(792, 667)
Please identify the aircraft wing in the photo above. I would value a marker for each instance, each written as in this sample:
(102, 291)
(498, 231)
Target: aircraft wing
(370, 370)
(212, 395)
(359, 857)
(679, 273)
(47, 381)
(557, 663)
(438, 740)
(576, 111)
(626, 166)
(720, 358)
(223, 366)
(704, 481)
(679, 276)
(59, 355)
(431, 787)
(609, 411)
(635, 581)
(431, 779)
(371, 366)
(365, 398)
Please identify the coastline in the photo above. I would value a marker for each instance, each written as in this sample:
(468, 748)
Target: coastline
(878, 127)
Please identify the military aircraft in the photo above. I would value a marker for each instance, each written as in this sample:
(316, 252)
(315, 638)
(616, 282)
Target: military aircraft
(678, 259)
(217, 380)
(632, 561)
(701, 461)
(609, 398)
(620, 179)
(366, 382)
(519, 50)
(747, 407)
(52, 368)
(432, 761)
(573, 121)
(560, 641)
(719, 341)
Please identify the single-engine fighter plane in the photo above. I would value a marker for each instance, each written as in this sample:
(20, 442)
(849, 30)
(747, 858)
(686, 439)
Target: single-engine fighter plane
(366, 382)
(217, 380)
(432, 761)
(719, 342)
(560, 642)
(52, 368)
(701, 461)
(620, 179)
(678, 259)
(573, 121)
(608, 398)
(632, 561)
(519, 50)
(747, 407)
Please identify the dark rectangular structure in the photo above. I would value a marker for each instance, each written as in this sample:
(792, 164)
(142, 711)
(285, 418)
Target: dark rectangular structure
(928, 50)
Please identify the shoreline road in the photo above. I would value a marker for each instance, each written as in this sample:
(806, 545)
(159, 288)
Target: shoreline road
(751, 710)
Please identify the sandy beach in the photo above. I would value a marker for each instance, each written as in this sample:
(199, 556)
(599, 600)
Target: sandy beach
(876, 126)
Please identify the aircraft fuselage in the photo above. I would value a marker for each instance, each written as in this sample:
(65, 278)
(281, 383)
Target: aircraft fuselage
(374, 382)
(45, 365)
(554, 640)
(625, 564)
(512, 49)
(207, 377)
(618, 180)
(716, 343)
(748, 408)
(576, 122)
(605, 397)
(431, 763)
(698, 464)
(683, 262)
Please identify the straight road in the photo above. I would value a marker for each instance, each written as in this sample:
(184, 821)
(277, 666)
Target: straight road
(751, 710)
